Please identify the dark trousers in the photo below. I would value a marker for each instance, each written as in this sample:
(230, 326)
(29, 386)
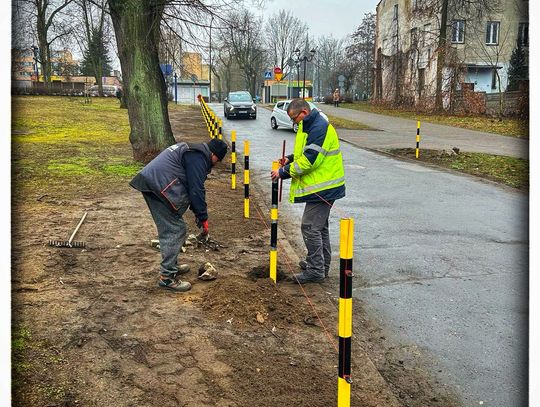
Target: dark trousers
(316, 237)
(171, 231)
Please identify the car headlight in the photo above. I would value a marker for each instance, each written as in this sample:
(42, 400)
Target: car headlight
(231, 109)
(254, 108)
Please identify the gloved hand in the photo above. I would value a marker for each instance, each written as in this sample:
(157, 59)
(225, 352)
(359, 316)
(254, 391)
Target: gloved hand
(202, 224)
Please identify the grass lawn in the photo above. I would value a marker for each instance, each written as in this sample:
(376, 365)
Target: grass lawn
(57, 141)
(340, 123)
(506, 170)
(63, 141)
(506, 127)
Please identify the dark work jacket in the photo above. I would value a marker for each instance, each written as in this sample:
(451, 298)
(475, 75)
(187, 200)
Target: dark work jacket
(177, 174)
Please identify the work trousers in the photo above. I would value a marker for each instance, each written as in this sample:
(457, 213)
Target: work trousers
(316, 237)
(171, 231)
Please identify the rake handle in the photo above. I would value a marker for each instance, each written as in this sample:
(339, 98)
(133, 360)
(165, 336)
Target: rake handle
(77, 228)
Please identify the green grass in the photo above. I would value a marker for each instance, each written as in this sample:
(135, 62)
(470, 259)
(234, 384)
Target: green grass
(58, 141)
(510, 171)
(19, 339)
(340, 123)
(507, 127)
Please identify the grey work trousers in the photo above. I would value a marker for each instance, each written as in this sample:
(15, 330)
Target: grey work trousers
(316, 237)
(171, 231)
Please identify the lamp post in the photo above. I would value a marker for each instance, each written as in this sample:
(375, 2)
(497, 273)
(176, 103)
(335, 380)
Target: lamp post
(35, 49)
(305, 59)
(175, 88)
(210, 68)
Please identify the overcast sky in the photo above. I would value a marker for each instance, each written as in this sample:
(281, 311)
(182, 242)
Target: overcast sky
(325, 17)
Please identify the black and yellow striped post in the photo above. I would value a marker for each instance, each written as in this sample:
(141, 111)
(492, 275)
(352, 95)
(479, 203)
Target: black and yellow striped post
(213, 126)
(233, 159)
(273, 226)
(417, 139)
(220, 129)
(345, 311)
(246, 179)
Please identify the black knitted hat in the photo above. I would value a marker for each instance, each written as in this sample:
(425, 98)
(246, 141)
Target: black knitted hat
(218, 147)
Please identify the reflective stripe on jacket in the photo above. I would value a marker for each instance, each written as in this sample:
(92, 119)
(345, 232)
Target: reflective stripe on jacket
(317, 166)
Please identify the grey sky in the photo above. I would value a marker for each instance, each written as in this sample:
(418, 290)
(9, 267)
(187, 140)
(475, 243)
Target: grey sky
(325, 17)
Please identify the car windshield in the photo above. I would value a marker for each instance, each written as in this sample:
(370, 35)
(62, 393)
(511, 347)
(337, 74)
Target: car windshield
(239, 97)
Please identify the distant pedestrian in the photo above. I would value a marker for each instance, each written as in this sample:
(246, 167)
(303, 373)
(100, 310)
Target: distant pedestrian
(336, 96)
(171, 183)
(318, 179)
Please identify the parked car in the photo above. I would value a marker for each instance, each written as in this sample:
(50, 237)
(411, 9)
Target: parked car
(108, 90)
(280, 118)
(239, 104)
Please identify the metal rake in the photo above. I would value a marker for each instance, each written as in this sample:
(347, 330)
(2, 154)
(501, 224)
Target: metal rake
(70, 243)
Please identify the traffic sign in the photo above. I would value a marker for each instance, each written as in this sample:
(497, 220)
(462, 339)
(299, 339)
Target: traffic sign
(278, 74)
(268, 75)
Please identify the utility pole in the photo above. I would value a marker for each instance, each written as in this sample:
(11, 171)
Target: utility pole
(210, 67)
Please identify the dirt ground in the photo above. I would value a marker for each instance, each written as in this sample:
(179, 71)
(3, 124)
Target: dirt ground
(99, 332)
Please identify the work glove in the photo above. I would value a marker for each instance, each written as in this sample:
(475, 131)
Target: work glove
(202, 224)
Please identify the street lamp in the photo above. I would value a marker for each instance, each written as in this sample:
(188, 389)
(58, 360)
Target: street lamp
(36, 54)
(305, 59)
(210, 68)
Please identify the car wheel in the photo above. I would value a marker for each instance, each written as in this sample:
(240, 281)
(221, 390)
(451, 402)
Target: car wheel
(273, 123)
(295, 127)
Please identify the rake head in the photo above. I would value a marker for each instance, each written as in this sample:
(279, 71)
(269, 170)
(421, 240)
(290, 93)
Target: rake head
(65, 243)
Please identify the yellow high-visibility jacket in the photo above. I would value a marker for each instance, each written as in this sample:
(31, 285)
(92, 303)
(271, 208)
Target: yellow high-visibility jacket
(316, 167)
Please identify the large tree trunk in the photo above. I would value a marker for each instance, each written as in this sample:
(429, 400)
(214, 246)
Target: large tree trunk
(441, 55)
(136, 25)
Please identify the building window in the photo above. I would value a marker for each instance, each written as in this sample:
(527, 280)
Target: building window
(425, 33)
(492, 32)
(395, 11)
(523, 34)
(458, 31)
(494, 79)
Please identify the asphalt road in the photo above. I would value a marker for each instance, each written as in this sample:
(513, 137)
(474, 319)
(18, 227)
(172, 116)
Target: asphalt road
(441, 259)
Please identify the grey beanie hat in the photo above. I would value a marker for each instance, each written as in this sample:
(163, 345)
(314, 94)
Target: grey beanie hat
(218, 147)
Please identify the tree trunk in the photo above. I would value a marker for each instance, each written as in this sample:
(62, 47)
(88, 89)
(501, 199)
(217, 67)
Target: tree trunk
(441, 55)
(136, 25)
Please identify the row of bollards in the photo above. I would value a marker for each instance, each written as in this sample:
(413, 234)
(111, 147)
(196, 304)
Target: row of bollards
(214, 126)
(213, 122)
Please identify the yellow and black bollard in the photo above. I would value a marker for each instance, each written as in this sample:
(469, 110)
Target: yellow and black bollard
(417, 139)
(274, 224)
(345, 311)
(246, 179)
(233, 159)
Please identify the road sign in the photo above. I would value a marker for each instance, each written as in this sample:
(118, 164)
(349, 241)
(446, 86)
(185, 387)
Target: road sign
(268, 75)
(278, 74)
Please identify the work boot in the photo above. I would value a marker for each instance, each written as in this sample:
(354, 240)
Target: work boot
(170, 284)
(302, 264)
(182, 269)
(303, 278)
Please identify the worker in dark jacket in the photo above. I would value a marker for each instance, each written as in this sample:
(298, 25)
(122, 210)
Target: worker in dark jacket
(318, 179)
(171, 183)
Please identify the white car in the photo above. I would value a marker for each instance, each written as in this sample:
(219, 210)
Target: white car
(280, 118)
